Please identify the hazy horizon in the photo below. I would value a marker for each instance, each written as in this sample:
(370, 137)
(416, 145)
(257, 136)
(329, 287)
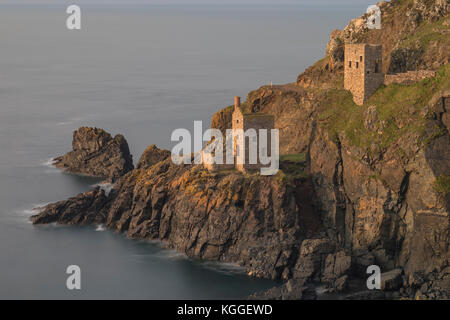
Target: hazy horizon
(196, 2)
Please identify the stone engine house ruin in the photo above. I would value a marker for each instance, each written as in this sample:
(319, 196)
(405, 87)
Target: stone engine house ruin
(362, 70)
(247, 122)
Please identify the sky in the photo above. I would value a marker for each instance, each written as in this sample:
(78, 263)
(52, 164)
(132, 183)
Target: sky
(188, 2)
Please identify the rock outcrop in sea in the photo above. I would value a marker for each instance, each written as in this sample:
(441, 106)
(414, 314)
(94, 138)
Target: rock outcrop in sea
(96, 153)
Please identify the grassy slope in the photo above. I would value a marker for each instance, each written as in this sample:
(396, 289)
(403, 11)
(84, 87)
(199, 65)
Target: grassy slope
(398, 108)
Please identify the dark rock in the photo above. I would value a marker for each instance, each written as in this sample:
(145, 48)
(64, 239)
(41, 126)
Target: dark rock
(366, 295)
(85, 208)
(362, 262)
(416, 279)
(335, 50)
(392, 280)
(341, 284)
(434, 285)
(405, 59)
(321, 260)
(96, 153)
(311, 259)
(336, 265)
(151, 156)
(275, 293)
(251, 220)
(294, 289)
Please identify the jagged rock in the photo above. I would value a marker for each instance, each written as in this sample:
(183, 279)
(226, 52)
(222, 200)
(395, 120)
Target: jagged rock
(82, 209)
(392, 280)
(366, 295)
(312, 255)
(294, 289)
(416, 279)
(253, 220)
(222, 119)
(335, 50)
(405, 59)
(321, 260)
(317, 246)
(96, 153)
(433, 285)
(361, 262)
(341, 284)
(275, 293)
(403, 22)
(151, 156)
(336, 265)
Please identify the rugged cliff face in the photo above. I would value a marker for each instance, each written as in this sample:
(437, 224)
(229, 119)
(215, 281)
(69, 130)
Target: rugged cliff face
(413, 33)
(373, 187)
(225, 216)
(380, 171)
(96, 153)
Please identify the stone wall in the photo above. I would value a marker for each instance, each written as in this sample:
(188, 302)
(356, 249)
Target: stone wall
(409, 77)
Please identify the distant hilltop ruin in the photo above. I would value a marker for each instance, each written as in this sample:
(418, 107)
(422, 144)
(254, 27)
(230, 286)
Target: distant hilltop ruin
(362, 71)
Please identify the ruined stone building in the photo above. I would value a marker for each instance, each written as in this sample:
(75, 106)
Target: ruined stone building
(363, 70)
(250, 124)
(249, 121)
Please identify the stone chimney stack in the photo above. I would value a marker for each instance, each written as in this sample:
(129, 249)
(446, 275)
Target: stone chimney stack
(237, 103)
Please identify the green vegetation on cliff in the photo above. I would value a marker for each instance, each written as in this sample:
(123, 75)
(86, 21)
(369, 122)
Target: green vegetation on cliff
(442, 184)
(400, 109)
(427, 33)
(292, 167)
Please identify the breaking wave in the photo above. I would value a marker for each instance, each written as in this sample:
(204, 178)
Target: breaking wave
(100, 228)
(105, 186)
(225, 268)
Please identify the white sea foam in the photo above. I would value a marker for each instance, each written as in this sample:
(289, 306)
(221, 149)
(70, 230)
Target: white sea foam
(321, 290)
(25, 214)
(69, 121)
(48, 162)
(100, 228)
(63, 123)
(171, 255)
(105, 186)
(33, 209)
(222, 267)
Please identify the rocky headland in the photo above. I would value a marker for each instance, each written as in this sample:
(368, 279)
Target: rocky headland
(358, 185)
